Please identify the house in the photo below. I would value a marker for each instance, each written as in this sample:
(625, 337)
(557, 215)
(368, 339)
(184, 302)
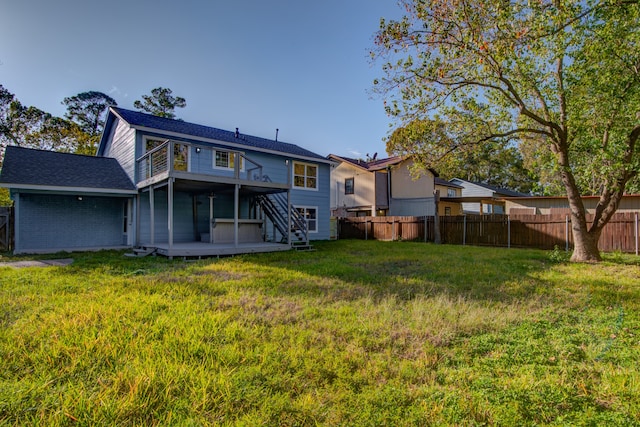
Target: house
(548, 205)
(380, 187)
(480, 198)
(182, 189)
(449, 195)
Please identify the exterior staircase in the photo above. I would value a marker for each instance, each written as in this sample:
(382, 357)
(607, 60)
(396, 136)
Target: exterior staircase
(275, 208)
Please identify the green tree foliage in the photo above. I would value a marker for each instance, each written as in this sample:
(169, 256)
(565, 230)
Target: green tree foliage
(160, 103)
(562, 75)
(33, 128)
(495, 162)
(89, 111)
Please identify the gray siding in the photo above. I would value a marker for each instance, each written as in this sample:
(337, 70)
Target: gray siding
(412, 207)
(121, 146)
(54, 222)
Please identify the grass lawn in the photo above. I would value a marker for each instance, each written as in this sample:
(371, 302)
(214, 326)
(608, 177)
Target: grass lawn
(356, 333)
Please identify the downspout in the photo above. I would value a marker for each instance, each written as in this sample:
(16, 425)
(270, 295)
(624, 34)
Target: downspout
(389, 194)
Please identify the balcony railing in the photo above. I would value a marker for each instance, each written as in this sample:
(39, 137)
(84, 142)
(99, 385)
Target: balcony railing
(173, 156)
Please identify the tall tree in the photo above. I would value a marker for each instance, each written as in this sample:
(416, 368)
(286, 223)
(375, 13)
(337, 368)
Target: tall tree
(563, 73)
(160, 103)
(33, 128)
(496, 163)
(89, 110)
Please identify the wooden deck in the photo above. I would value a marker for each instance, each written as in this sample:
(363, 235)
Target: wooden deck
(201, 249)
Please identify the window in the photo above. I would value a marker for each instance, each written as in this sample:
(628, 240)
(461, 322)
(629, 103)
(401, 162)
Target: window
(451, 192)
(310, 214)
(348, 186)
(226, 160)
(447, 210)
(305, 176)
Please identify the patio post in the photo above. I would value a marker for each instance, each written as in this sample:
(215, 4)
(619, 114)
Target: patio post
(170, 213)
(152, 219)
(236, 197)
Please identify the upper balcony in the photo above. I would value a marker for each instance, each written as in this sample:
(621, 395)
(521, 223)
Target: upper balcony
(196, 162)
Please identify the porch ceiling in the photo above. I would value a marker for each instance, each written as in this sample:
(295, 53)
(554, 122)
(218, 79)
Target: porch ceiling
(201, 187)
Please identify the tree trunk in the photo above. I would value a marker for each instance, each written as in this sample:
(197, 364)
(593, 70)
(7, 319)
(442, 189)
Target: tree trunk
(585, 242)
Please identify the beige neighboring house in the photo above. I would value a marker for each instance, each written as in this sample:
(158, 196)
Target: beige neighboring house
(448, 193)
(380, 187)
(547, 205)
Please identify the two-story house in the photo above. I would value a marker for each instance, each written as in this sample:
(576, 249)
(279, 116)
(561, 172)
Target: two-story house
(380, 187)
(176, 188)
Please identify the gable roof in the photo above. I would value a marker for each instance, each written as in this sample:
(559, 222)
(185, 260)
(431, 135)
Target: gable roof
(445, 183)
(497, 190)
(184, 129)
(29, 168)
(373, 165)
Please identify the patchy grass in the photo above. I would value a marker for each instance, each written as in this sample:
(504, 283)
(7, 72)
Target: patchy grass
(357, 333)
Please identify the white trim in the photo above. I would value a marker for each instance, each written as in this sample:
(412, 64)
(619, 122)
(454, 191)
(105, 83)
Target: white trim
(316, 219)
(225, 143)
(68, 189)
(293, 176)
(238, 154)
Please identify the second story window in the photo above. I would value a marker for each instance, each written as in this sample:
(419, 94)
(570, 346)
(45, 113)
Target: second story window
(451, 192)
(348, 186)
(305, 176)
(226, 160)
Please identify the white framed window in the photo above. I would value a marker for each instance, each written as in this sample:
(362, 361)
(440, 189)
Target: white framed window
(305, 175)
(348, 186)
(310, 215)
(226, 159)
(451, 192)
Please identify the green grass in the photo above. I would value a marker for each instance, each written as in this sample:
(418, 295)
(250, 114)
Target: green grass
(356, 333)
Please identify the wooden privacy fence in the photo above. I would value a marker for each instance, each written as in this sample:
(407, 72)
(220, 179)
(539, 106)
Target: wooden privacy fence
(526, 231)
(6, 229)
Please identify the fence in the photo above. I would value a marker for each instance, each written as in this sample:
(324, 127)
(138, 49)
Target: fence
(530, 231)
(6, 229)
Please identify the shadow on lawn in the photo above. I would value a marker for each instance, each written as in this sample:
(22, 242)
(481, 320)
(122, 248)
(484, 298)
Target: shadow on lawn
(352, 269)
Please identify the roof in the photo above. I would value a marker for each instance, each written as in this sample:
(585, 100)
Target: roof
(25, 167)
(500, 191)
(565, 197)
(445, 183)
(185, 129)
(375, 164)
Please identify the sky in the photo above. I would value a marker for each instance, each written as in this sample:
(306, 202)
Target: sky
(302, 67)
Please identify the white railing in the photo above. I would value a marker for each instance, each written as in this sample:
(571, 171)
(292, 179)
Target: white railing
(173, 156)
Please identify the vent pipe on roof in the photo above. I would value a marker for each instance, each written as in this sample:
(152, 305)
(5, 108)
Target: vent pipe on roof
(237, 133)
(277, 134)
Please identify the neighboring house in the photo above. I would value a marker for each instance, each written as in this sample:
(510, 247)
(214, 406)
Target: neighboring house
(190, 190)
(480, 198)
(546, 205)
(380, 187)
(449, 192)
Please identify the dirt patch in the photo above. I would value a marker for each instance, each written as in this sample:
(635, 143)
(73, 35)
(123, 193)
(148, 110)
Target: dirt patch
(40, 263)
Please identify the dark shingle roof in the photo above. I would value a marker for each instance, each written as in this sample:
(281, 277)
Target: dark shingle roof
(138, 119)
(376, 164)
(25, 166)
(499, 190)
(444, 182)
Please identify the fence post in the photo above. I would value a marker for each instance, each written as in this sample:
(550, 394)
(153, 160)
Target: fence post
(464, 231)
(366, 229)
(636, 229)
(508, 232)
(425, 229)
(566, 233)
(393, 230)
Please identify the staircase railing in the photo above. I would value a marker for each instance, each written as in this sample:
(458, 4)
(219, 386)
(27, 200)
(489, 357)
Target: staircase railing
(276, 206)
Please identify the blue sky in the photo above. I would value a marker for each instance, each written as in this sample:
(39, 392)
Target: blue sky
(299, 66)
